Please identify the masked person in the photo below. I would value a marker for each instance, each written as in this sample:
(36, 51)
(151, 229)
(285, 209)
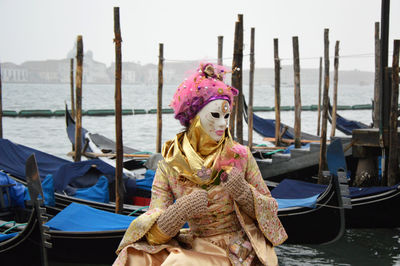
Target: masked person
(209, 181)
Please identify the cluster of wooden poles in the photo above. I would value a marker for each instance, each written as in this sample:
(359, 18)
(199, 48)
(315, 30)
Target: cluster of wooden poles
(236, 118)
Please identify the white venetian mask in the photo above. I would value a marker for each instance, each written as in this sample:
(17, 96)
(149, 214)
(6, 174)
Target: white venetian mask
(214, 118)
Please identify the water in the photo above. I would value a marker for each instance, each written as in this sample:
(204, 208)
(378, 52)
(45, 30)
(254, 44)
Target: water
(357, 247)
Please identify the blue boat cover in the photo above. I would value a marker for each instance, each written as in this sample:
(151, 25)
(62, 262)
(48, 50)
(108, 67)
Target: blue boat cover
(67, 175)
(13, 158)
(266, 127)
(147, 182)
(344, 125)
(295, 189)
(99, 192)
(347, 126)
(72, 171)
(4, 237)
(78, 217)
(309, 202)
(48, 191)
(16, 192)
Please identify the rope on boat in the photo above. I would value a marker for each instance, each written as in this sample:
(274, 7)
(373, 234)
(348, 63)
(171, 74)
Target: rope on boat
(13, 227)
(10, 222)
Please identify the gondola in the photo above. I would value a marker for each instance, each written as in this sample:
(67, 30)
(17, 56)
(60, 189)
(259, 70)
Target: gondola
(25, 242)
(98, 146)
(77, 234)
(69, 177)
(296, 163)
(266, 127)
(323, 224)
(372, 207)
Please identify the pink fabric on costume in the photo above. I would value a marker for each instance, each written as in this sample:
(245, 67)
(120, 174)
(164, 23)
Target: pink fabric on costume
(203, 86)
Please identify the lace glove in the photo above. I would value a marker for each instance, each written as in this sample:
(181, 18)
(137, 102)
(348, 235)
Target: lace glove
(239, 190)
(185, 208)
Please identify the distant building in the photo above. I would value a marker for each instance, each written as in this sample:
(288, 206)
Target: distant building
(11, 72)
(58, 71)
(131, 72)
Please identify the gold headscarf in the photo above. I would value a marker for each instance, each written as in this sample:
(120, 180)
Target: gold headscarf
(193, 154)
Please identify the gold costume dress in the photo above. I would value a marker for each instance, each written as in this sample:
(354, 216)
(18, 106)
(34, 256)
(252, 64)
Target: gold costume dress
(226, 234)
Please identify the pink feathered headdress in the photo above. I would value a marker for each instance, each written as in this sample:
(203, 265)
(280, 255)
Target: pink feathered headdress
(199, 89)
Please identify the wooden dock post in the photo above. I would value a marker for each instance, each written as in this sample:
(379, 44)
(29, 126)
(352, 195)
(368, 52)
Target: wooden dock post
(220, 50)
(78, 94)
(237, 77)
(277, 66)
(319, 96)
(297, 96)
(251, 89)
(322, 152)
(72, 88)
(232, 119)
(159, 97)
(377, 96)
(1, 107)
(335, 88)
(119, 185)
(393, 165)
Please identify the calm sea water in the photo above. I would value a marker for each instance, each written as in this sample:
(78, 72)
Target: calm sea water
(357, 247)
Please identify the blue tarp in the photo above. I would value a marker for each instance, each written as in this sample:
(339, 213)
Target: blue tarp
(147, 181)
(68, 176)
(304, 202)
(295, 189)
(48, 191)
(16, 192)
(4, 237)
(347, 126)
(13, 158)
(72, 171)
(99, 192)
(82, 218)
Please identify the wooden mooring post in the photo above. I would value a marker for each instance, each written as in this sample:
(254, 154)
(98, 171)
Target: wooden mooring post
(319, 96)
(159, 97)
(322, 151)
(251, 89)
(377, 97)
(220, 50)
(119, 185)
(78, 94)
(237, 81)
(297, 95)
(1, 106)
(373, 142)
(72, 87)
(335, 88)
(393, 165)
(232, 118)
(277, 67)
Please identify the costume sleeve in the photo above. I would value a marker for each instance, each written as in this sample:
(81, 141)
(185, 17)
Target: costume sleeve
(265, 206)
(161, 198)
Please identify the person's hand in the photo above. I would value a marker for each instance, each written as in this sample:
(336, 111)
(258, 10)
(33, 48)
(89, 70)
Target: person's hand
(184, 209)
(233, 181)
(195, 203)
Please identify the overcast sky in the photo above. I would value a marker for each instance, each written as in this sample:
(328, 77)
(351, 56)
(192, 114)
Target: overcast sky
(47, 29)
